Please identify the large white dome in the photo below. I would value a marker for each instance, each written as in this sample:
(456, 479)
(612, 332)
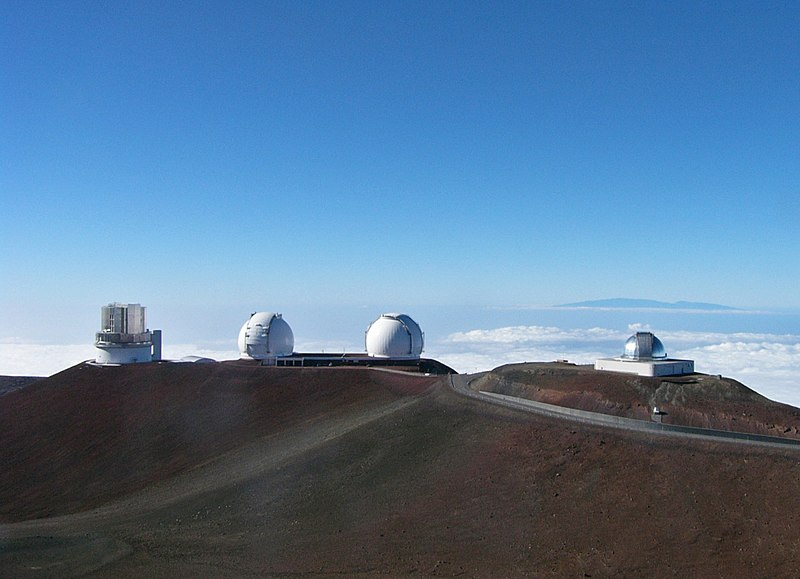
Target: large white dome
(265, 335)
(394, 336)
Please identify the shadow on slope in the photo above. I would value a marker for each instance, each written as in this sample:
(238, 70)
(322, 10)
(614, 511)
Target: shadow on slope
(90, 434)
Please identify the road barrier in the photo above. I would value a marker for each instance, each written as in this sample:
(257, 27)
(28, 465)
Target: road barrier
(620, 422)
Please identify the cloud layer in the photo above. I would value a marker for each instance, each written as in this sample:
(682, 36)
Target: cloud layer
(21, 358)
(768, 363)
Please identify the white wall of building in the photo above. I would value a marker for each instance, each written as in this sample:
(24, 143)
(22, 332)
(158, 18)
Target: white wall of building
(127, 354)
(668, 367)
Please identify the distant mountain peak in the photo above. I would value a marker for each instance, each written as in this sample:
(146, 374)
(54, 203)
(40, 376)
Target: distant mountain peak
(624, 303)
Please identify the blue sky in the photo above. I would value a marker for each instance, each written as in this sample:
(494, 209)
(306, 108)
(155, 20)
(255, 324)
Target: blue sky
(274, 155)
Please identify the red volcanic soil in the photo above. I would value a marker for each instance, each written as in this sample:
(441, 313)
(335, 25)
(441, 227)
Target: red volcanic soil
(90, 434)
(697, 400)
(11, 383)
(238, 470)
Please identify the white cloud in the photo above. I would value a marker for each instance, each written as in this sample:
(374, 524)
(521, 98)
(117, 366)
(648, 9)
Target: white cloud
(178, 351)
(770, 368)
(534, 334)
(681, 337)
(330, 346)
(21, 358)
(18, 358)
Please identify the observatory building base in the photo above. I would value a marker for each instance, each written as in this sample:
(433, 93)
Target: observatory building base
(665, 367)
(423, 365)
(123, 354)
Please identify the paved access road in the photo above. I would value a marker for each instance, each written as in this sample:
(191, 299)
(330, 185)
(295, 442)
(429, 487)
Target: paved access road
(461, 384)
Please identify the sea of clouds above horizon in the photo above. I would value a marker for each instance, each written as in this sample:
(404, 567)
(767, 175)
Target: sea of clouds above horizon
(768, 363)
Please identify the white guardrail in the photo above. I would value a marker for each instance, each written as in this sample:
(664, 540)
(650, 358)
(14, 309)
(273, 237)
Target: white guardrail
(619, 422)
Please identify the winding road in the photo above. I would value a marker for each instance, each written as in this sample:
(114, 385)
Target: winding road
(460, 383)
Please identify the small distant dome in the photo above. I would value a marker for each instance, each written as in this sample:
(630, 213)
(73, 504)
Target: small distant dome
(265, 335)
(195, 360)
(394, 336)
(644, 345)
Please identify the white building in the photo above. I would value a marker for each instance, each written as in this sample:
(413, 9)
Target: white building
(394, 336)
(124, 337)
(265, 335)
(645, 355)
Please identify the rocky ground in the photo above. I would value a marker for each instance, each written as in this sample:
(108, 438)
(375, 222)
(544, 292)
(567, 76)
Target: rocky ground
(239, 470)
(700, 400)
(12, 383)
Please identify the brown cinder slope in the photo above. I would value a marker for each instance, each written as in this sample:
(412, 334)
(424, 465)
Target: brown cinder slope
(90, 434)
(699, 400)
(391, 475)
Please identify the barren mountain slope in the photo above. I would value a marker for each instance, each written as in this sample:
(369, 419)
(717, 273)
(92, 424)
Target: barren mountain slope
(90, 434)
(694, 400)
(368, 472)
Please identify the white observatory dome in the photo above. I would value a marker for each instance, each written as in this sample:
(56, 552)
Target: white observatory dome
(644, 345)
(394, 336)
(265, 335)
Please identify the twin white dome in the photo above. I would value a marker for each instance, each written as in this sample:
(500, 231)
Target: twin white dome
(394, 336)
(265, 335)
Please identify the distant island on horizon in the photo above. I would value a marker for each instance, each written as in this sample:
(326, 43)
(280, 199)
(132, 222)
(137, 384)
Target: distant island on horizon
(641, 303)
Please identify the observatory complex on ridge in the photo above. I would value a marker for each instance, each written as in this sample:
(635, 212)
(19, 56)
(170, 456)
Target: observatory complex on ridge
(645, 355)
(391, 340)
(266, 338)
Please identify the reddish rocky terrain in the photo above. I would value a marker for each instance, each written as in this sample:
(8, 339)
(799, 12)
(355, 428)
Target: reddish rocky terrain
(699, 400)
(239, 470)
(91, 434)
(12, 383)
